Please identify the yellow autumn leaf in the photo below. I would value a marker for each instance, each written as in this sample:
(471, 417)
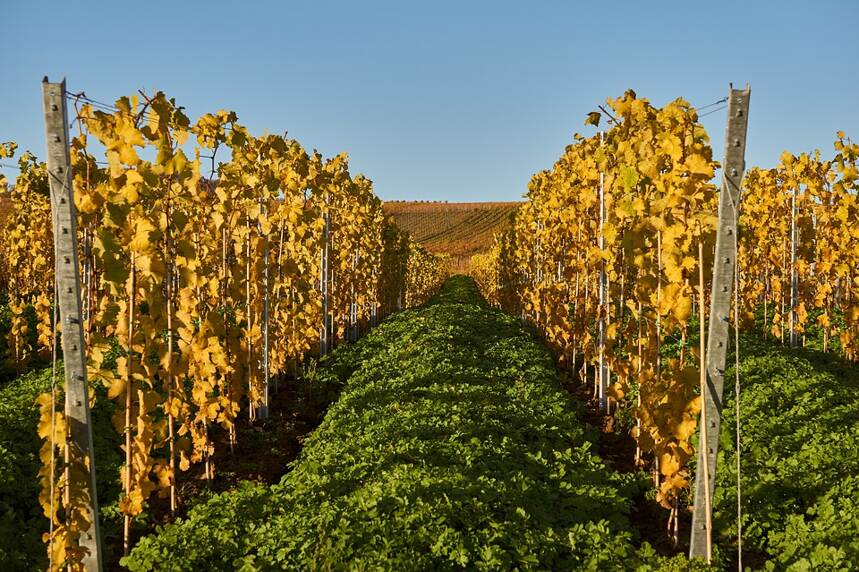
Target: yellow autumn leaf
(698, 165)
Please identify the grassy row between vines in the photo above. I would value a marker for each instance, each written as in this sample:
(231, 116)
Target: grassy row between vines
(452, 446)
(799, 419)
(22, 521)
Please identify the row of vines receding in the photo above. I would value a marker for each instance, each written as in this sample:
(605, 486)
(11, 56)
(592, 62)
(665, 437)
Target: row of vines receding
(653, 246)
(201, 267)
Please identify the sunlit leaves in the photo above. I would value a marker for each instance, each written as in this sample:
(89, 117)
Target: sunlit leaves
(827, 255)
(654, 166)
(183, 275)
(27, 261)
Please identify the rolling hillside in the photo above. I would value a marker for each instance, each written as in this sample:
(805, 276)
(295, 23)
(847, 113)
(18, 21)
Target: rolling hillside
(458, 229)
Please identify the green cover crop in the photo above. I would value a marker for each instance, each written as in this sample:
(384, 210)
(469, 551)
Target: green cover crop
(22, 520)
(800, 467)
(452, 446)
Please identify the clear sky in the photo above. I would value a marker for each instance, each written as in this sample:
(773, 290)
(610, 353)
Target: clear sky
(443, 100)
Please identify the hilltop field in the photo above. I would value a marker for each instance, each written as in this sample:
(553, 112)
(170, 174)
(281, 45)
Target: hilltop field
(458, 229)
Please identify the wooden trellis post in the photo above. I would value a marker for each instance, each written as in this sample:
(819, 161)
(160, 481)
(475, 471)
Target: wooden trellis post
(602, 373)
(794, 276)
(324, 280)
(720, 309)
(77, 411)
(353, 301)
(262, 412)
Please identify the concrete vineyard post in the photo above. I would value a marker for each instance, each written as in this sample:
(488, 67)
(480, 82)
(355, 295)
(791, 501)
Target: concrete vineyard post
(720, 306)
(67, 270)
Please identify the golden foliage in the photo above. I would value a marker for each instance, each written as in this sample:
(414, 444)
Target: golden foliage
(656, 166)
(184, 275)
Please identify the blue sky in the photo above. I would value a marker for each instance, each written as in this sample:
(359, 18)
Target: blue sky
(444, 100)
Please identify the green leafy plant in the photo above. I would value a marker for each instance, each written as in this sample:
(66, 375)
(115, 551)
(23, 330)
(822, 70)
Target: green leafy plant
(22, 521)
(452, 446)
(800, 433)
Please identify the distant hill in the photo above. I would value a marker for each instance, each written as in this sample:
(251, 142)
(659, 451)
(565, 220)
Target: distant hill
(458, 229)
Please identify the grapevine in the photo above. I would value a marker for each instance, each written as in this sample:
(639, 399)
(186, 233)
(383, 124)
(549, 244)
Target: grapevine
(208, 286)
(655, 166)
(816, 200)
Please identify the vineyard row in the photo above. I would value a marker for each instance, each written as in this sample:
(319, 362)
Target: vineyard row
(612, 258)
(197, 288)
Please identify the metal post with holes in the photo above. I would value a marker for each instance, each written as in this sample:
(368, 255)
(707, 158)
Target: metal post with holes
(720, 307)
(68, 286)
